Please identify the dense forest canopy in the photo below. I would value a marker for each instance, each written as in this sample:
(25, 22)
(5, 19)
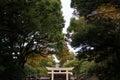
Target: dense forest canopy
(28, 27)
(31, 31)
(97, 34)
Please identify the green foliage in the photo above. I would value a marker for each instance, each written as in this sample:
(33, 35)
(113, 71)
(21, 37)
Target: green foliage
(99, 42)
(98, 36)
(29, 27)
(82, 68)
(64, 54)
(86, 7)
(80, 31)
(48, 62)
(29, 70)
(36, 65)
(33, 25)
(74, 63)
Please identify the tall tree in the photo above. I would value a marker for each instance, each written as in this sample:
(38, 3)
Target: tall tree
(29, 26)
(97, 34)
(64, 54)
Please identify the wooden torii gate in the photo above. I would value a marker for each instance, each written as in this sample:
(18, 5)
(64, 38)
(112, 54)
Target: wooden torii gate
(54, 70)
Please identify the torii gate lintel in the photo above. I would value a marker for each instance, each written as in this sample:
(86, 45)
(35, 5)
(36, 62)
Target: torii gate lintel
(53, 71)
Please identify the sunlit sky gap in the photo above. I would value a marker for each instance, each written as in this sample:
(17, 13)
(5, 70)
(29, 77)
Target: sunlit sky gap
(67, 13)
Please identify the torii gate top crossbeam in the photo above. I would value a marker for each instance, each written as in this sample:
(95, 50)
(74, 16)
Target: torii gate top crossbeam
(66, 69)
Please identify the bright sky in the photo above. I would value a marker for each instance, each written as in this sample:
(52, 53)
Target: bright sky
(67, 13)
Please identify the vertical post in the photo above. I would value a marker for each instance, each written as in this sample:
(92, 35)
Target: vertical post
(67, 75)
(52, 76)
